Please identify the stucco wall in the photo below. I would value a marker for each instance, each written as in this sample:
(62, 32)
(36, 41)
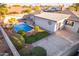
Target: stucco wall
(75, 27)
(43, 23)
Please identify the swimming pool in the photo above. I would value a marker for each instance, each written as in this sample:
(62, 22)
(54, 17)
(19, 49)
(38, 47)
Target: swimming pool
(22, 26)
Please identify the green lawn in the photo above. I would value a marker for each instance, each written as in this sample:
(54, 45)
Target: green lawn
(36, 37)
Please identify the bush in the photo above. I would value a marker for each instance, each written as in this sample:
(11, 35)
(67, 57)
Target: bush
(25, 52)
(39, 51)
(72, 8)
(23, 33)
(28, 10)
(17, 40)
(37, 8)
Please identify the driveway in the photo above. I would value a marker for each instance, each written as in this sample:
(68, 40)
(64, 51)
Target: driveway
(58, 42)
(68, 35)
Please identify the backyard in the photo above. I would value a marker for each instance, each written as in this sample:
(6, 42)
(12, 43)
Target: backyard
(22, 36)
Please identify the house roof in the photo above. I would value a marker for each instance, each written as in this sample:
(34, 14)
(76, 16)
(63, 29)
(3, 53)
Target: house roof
(53, 16)
(76, 13)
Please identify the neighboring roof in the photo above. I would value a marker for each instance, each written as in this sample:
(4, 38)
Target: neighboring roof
(53, 16)
(76, 13)
(76, 16)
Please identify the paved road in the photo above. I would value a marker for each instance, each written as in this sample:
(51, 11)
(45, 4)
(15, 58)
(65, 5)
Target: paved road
(58, 42)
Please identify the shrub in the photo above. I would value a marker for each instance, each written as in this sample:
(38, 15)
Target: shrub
(38, 51)
(25, 52)
(23, 33)
(28, 10)
(17, 40)
(37, 8)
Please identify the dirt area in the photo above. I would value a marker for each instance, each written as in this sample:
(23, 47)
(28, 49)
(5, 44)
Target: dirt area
(4, 49)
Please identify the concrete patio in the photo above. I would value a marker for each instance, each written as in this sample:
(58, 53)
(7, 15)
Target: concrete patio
(58, 42)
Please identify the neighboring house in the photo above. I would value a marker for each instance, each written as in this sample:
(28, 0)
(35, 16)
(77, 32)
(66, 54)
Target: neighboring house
(50, 21)
(20, 18)
(17, 16)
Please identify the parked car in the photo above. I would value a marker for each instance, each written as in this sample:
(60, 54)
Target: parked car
(53, 9)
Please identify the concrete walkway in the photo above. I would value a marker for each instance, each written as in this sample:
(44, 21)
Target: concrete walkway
(58, 42)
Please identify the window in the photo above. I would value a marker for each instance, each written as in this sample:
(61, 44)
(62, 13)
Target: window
(78, 30)
(70, 23)
(49, 22)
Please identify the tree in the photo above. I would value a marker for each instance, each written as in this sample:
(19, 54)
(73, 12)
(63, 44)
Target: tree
(37, 8)
(3, 12)
(17, 40)
(3, 9)
(74, 7)
(23, 33)
(12, 21)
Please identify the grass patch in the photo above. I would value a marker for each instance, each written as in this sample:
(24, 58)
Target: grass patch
(36, 37)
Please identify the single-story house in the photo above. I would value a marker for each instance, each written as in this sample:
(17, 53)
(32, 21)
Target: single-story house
(50, 21)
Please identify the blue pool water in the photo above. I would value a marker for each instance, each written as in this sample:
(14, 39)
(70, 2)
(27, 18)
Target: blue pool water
(22, 26)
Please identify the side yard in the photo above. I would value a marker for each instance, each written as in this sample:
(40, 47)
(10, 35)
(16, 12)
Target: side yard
(4, 49)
